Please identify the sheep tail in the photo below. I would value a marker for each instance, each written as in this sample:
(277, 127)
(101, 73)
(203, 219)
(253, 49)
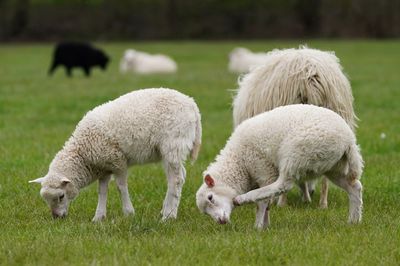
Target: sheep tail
(355, 162)
(197, 139)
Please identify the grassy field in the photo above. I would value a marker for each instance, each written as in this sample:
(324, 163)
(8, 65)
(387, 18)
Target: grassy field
(38, 113)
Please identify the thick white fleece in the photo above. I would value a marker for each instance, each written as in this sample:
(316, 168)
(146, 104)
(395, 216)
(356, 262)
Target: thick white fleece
(295, 141)
(144, 63)
(139, 127)
(293, 76)
(242, 60)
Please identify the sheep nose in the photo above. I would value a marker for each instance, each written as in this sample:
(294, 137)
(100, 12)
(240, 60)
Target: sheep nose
(56, 215)
(222, 221)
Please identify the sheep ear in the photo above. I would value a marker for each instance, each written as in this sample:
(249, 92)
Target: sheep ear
(209, 180)
(65, 181)
(37, 180)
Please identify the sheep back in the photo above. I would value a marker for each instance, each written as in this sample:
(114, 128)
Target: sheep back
(294, 139)
(142, 126)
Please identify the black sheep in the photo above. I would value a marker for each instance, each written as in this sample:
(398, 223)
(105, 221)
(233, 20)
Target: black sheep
(75, 54)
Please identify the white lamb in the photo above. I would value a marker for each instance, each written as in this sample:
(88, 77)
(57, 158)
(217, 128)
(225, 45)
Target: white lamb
(144, 63)
(139, 127)
(276, 149)
(241, 60)
(292, 76)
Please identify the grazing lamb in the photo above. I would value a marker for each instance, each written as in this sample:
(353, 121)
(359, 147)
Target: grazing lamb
(276, 149)
(76, 54)
(293, 76)
(144, 63)
(242, 60)
(139, 127)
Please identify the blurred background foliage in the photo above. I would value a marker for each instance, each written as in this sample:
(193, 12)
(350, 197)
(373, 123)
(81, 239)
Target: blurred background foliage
(37, 20)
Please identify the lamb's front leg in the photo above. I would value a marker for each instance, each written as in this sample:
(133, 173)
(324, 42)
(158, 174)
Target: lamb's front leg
(278, 187)
(305, 191)
(101, 210)
(121, 179)
(323, 201)
(176, 178)
(262, 215)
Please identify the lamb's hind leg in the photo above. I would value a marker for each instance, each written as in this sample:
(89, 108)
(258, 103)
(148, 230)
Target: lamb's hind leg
(121, 179)
(305, 192)
(176, 178)
(282, 200)
(102, 201)
(353, 187)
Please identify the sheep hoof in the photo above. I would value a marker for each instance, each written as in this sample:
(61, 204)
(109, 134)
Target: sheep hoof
(168, 216)
(281, 203)
(129, 212)
(354, 220)
(323, 205)
(98, 218)
(237, 201)
(261, 227)
(306, 198)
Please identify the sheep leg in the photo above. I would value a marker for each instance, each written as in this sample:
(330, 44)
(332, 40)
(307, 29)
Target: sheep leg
(283, 184)
(53, 68)
(311, 186)
(305, 192)
(282, 200)
(101, 209)
(68, 70)
(86, 70)
(323, 200)
(353, 187)
(176, 178)
(121, 179)
(262, 215)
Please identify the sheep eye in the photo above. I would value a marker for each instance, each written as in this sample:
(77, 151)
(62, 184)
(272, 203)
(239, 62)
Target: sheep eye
(210, 198)
(61, 197)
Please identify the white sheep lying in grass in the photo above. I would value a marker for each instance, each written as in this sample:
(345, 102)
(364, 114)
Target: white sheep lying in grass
(139, 127)
(293, 76)
(276, 149)
(144, 63)
(241, 60)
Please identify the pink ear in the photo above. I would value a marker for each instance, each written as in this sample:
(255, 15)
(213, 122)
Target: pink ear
(209, 181)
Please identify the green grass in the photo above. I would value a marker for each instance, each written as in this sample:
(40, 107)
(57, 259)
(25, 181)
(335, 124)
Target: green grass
(38, 113)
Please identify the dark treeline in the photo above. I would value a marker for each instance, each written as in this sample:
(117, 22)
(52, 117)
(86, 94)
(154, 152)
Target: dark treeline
(197, 19)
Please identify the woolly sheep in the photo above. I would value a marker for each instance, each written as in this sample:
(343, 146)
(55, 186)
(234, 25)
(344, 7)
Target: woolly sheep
(144, 63)
(275, 149)
(241, 60)
(78, 55)
(293, 76)
(139, 127)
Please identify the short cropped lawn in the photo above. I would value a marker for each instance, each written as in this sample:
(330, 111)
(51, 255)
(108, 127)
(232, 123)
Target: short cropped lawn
(38, 114)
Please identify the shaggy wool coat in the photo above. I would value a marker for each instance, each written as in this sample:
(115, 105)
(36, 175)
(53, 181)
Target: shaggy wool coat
(298, 141)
